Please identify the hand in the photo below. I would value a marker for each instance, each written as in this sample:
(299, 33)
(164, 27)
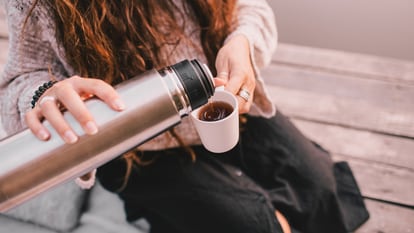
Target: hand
(71, 93)
(233, 64)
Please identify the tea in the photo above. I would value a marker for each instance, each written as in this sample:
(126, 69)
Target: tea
(217, 122)
(215, 111)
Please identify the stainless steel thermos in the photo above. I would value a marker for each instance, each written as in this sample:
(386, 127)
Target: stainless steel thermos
(155, 101)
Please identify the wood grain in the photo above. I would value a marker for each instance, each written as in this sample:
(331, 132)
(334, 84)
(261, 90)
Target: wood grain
(329, 109)
(385, 218)
(360, 144)
(334, 61)
(382, 181)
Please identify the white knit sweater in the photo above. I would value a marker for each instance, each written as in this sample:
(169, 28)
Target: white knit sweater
(31, 55)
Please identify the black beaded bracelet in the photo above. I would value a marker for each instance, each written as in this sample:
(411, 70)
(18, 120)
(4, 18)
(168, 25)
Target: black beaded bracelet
(39, 92)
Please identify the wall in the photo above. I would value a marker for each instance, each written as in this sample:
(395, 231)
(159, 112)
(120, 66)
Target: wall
(378, 27)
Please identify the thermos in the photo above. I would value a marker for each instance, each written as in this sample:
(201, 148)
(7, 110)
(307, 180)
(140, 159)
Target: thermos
(155, 101)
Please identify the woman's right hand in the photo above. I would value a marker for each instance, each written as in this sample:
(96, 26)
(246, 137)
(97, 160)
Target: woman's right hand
(70, 93)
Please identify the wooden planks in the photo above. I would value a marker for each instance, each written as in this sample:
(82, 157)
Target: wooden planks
(383, 172)
(361, 109)
(358, 65)
(359, 144)
(385, 218)
(357, 114)
(390, 95)
(382, 164)
(382, 181)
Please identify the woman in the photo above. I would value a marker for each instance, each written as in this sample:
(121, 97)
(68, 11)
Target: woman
(274, 180)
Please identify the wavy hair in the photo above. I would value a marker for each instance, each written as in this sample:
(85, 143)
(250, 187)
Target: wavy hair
(115, 40)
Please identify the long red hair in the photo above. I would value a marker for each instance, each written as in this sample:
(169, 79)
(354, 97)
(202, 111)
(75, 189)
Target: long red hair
(115, 40)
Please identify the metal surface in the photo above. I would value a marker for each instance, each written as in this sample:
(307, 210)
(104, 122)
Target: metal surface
(28, 166)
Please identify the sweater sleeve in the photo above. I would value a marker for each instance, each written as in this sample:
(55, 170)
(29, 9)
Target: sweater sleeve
(30, 56)
(256, 21)
(32, 53)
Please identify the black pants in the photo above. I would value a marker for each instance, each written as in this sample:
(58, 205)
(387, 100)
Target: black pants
(274, 167)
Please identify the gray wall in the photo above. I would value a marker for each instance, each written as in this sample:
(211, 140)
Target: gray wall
(378, 27)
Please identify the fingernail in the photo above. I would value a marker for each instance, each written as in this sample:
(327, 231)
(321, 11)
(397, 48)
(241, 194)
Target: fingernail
(42, 134)
(91, 128)
(70, 137)
(119, 104)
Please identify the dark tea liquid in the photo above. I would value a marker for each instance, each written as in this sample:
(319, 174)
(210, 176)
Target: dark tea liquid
(215, 111)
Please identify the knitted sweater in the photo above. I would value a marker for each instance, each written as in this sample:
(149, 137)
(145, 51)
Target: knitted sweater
(31, 55)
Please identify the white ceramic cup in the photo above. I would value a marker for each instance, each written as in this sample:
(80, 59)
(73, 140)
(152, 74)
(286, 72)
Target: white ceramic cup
(221, 135)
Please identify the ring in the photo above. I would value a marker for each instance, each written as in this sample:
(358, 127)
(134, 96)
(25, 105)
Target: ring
(47, 98)
(223, 74)
(244, 94)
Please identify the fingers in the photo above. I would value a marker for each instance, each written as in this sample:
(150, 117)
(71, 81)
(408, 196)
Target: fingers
(242, 84)
(239, 82)
(75, 105)
(34, 124)
(103, 91)
(52, 113)
(49, 110)
(70, 93)
(223, 71)
(219, 82)
(233, 64)
(223, 75)
(233, 81)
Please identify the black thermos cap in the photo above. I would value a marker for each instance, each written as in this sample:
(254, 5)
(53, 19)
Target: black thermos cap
(196, 80)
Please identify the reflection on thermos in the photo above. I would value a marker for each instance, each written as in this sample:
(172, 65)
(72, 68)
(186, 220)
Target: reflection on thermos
(155, 101)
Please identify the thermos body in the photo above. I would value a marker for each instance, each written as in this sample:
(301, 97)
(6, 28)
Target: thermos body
(155, 101)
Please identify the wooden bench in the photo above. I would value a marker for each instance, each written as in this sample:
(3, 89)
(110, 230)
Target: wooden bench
(361, 109)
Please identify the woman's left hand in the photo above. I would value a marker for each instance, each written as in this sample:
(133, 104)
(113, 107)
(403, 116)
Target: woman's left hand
(234, 65)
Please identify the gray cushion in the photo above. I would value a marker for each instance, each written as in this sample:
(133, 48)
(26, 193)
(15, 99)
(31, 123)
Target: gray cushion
(10, 225)
(105, 213)
(58, 209)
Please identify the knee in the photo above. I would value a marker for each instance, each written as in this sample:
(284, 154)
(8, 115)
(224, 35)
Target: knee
(322, 184)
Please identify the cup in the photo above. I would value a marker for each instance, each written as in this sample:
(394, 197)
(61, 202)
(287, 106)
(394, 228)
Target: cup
(217, 122)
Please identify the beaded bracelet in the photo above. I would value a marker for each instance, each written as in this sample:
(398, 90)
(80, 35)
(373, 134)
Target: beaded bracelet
(39, 92)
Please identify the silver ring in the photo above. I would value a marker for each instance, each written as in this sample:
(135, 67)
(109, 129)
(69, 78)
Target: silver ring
(223, 74)
(244, 94)
(47, 98)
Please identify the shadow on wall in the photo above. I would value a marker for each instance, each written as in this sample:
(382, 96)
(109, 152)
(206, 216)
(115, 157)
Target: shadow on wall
(377, 27)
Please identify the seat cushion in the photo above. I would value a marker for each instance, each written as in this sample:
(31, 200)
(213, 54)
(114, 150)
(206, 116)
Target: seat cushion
(105, 214)
(8, 225)
(57, 209)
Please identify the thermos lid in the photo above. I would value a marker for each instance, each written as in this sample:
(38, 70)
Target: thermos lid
(197, 81)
